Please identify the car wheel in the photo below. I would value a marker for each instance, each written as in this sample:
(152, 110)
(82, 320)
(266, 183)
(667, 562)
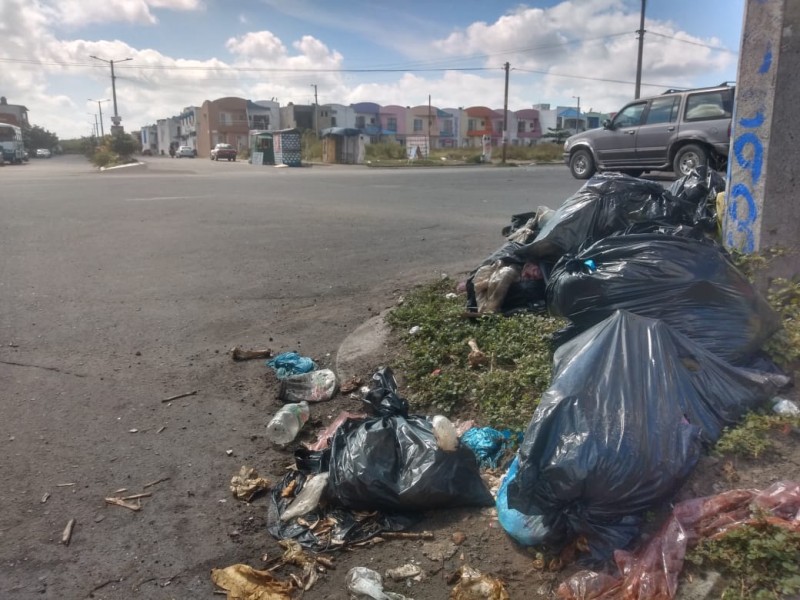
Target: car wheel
(688, 158)
(581, 164)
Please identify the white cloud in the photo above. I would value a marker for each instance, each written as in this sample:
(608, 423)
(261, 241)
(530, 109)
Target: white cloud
(83, 12)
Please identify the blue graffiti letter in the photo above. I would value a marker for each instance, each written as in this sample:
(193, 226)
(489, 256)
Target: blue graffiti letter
(755, 163)
(767, 60)
(753, 122)
(744, 223)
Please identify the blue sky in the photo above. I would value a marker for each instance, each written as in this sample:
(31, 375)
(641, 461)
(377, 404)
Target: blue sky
(188, 51)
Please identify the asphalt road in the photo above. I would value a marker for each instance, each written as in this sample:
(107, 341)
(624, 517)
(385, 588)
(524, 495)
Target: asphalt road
(119, 290)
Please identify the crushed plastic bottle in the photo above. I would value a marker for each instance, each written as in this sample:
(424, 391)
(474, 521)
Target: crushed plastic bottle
(446, 436)
(308, 498)
(287, 422)
(366, 584)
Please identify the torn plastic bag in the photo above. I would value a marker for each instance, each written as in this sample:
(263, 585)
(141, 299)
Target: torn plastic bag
(327, 526)
(686, 282)
(607, 203)
(316, 386)
(700, 188)
(287, 364)
(621, 426)
(488, 444)
(392, 461)
(528, 530)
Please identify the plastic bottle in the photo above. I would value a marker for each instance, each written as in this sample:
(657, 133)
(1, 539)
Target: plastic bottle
(308, 498)
(287, 422)
(446, 436)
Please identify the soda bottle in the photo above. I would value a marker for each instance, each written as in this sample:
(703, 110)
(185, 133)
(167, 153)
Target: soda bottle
(287, 422)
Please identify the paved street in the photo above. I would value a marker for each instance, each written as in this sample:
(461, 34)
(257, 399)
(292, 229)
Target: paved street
(119, 290)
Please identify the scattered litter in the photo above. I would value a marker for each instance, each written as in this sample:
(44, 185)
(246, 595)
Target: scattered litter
(351, 385)
(45, 497)
(458, 537)
(366, 584)
(445, 433)
(488, 444)
(439, 552)
(66, 536)
(137, 496)
(123, 504)
(451, 296)
(247, 484)
(287, 422)
(473, 585)
(229, 452)
(316, 386)
(414, 330)
(64, 484)
(785, 407)
(293, 555)
(408, 535)
(652, 573)
(243, 582)
(324, 436)
(404, 572)
(133, 431)
(476, 358)
(160, 429)
(308, 499)
(291, 363)
(239, 353)
(179, 396)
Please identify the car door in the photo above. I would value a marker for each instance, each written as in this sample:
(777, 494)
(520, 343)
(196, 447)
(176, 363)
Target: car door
(617, 146)
(659, 127)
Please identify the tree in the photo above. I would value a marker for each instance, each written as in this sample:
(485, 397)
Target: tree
(34, 137)
(124, 145)
(557, 135)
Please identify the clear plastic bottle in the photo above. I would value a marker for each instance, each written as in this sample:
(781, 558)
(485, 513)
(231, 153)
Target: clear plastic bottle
(287, 422)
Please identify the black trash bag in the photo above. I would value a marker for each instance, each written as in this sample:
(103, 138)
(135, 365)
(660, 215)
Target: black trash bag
(688, 283)
(346, 527)
(700, 188)
(607, 203)
(392, 462)
(630, 405)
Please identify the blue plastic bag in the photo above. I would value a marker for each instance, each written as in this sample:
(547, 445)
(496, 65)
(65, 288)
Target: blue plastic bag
(291, 363)
(488, 444)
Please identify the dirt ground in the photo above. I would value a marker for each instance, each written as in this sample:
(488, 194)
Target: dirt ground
(485, 546)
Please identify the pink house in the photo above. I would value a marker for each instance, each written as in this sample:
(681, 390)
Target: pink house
(529, 128)
(393, 121)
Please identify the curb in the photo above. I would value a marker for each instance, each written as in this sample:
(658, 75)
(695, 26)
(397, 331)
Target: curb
(367, 340)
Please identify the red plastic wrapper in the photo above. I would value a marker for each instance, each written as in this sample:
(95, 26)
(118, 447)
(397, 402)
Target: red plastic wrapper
(652, 572)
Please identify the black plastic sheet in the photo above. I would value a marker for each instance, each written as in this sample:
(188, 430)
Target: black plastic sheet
(392, 461)
(631, 403)
(689, 283)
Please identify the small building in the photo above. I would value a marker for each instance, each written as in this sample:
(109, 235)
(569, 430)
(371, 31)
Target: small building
(13, 114)
(343, 145)
(283, 147)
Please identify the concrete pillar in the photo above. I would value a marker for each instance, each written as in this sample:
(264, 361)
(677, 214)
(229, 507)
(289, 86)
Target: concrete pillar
(762, 203)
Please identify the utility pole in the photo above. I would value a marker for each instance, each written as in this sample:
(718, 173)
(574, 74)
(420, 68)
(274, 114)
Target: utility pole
(578, 117)
(640, 31)
(429, 126)
(116, 118)
(505, 113)
(316, 110)
(100, 108)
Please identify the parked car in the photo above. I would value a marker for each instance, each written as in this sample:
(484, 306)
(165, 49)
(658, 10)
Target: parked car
(223, 151)
(185, 152)
(43, 153)
(676, 131)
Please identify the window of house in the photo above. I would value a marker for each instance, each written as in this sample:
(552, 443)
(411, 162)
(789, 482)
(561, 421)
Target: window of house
(372, 121)
(391, 123)
(662, 110)
(225, 118)
(333, 121)
(521, 127)
(417, 124)
(472, 124)
(447, 126)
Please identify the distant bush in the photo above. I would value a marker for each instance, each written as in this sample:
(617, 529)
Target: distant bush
(103, 157)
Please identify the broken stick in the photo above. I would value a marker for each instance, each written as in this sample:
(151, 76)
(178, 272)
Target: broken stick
(123, 504)
(179, 396)
(67, 535)
(137, 496)
(407, 535)
(156, 482)
(239, 353)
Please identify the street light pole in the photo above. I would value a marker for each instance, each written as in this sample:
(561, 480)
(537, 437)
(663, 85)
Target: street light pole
(116, 118)
(100, 108)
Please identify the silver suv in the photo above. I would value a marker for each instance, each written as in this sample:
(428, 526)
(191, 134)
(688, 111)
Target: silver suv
(678, 131)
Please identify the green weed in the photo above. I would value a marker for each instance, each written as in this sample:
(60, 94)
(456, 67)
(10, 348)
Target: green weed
(751, 438)
(761, 560)
(505, 391)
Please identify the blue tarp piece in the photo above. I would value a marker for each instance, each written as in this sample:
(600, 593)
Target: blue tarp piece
(488, 444)
(291, 363)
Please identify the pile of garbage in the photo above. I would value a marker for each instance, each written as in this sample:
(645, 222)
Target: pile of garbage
(662, 352)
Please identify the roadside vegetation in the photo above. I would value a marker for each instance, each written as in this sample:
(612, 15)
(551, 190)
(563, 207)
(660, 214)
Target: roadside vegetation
(112, 150)
(759, 560)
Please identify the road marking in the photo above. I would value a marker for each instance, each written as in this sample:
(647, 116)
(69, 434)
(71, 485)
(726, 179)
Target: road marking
(163, 198)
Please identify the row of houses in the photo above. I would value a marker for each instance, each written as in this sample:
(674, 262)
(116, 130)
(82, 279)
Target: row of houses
(230, 120)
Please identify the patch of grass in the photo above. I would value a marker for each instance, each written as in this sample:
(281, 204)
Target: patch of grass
(761, 560)
(504, 392)
(751, 438)
(784, 346)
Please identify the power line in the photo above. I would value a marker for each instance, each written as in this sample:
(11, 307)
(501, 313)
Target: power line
(677, 39)
(664, 85)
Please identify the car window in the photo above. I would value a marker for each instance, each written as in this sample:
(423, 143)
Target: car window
(662, 110)
(709, 105)
(630, 116)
